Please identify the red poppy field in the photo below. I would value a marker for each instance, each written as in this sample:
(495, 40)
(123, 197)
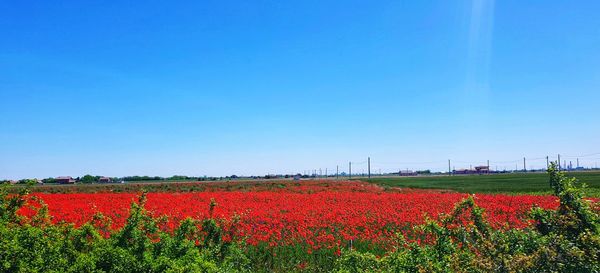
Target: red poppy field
(318, 214)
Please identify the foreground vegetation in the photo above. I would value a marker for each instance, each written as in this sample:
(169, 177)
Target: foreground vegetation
(514, 183)
(562, 240)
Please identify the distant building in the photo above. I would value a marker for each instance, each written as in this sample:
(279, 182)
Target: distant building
(104, 179)
(462, 171)
(65, 180)
(407, 173)
(482, 169)
(477, 170)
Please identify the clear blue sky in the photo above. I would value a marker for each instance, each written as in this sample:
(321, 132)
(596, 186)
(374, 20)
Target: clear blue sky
(257, 87)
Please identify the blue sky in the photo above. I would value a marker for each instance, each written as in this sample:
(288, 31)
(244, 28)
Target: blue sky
(257, 87)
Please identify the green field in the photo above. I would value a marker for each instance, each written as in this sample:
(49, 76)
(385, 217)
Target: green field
(518, 183)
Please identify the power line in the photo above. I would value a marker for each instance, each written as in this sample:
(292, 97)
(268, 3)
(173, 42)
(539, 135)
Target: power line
(410, 163)
(574, 156)
(585, 161)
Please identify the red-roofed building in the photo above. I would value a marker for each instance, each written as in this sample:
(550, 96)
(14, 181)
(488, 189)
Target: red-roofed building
(104, 179)
(65, 180)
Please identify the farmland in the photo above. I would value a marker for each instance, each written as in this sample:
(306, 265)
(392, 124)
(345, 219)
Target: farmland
(385, 224)
(512, 183)
(343, 210)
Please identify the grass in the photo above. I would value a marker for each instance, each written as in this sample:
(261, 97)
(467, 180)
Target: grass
(518, 183)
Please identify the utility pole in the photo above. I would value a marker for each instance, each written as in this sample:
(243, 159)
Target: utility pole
(369, 166)
(350, 170)
(449, 171)
(524, 165)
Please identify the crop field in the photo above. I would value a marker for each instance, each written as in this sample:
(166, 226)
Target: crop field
(317, 214)
(517, 183)
(284, 226)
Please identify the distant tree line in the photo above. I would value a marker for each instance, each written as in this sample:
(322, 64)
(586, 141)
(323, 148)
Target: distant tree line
(22, 181)
(89, 179)
(142, 178)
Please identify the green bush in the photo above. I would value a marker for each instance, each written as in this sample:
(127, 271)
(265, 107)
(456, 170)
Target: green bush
(36, 245)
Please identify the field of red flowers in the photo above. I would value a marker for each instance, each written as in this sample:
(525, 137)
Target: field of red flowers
(319, 214)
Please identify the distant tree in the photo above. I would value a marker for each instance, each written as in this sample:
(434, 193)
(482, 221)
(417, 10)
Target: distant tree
(142, 178)
(89, 179)
(29, 182)
(49, 180)
(179, 177)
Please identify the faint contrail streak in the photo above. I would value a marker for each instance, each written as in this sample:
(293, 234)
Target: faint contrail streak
(480, 47)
